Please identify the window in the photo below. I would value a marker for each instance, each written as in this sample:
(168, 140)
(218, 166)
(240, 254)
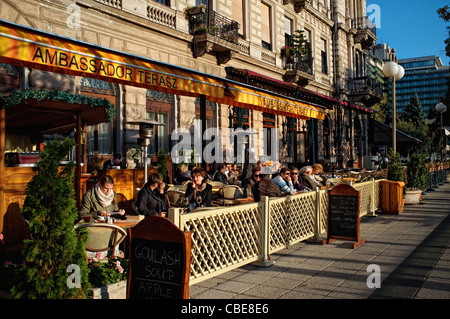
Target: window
(100, 138)
(266, 27)
(201, 2)
(323, 51)
(160, 112)
(287, 31)
(164, 2)
(238, 14)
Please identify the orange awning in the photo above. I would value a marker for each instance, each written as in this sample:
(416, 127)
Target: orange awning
(24, 46)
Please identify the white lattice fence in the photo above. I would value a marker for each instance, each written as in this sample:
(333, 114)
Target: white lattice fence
(292, 219)
(223, 239)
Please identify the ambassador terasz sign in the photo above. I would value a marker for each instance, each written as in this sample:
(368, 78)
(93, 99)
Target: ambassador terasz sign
(86, 64)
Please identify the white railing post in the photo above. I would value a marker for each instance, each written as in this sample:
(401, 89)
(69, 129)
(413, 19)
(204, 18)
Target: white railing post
(373, 207)
(174, 216)
(264, 259)
(317, 217)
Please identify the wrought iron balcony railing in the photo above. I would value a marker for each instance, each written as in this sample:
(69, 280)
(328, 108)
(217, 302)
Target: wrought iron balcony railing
(364, 84)
(209, 21)
(295, 60)
(364, 23)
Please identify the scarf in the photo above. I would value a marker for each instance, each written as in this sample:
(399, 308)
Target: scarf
(104, 199)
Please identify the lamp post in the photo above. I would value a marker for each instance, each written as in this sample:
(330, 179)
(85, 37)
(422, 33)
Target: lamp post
(441, 108)
(394, 71)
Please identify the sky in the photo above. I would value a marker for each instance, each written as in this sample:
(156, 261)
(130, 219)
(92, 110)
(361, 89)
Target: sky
(411, 27)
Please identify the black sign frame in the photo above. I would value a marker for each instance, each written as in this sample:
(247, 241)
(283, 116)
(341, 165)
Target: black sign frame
(343, 216)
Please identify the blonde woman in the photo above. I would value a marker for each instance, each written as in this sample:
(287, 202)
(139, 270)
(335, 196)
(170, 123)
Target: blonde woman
(101, 199)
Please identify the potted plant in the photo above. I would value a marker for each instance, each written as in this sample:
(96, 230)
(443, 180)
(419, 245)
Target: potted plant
(416, 178)
(192, 10)
(55, 248)
(392, 189)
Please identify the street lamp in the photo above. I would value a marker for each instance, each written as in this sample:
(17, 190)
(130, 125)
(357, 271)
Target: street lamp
(395, 71)
(441, 108)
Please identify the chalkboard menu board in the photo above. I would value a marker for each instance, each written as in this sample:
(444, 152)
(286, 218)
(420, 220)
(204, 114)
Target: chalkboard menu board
(159, 260)
(343, 214)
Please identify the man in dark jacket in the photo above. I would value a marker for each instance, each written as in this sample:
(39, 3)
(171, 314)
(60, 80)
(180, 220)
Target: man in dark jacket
(152, 199)
(220, 176)
(265, 187)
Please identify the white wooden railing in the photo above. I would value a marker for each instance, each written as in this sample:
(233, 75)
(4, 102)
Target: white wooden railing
(229, 237)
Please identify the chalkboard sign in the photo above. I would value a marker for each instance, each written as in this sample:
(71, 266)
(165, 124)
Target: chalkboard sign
(343, 214)
(159, 260)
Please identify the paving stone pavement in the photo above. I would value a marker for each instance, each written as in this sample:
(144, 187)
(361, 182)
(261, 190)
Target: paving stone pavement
(410, 244)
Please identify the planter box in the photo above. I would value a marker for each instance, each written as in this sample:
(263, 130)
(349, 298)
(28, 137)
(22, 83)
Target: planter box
(117, 290)
(391, 196)
(413, 197)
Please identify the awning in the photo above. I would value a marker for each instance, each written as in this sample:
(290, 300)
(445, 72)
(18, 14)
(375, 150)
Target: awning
(291, 89)
(381, 134)
(24, 46)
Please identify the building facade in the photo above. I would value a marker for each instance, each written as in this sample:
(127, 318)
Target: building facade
(425, 76)
(315, 51)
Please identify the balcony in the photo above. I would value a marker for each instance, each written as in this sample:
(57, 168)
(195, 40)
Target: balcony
(366, 32)
(298, 65)
(365, 90)
(213, 33)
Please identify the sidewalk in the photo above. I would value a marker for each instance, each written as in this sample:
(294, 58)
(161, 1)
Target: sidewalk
(410, 250)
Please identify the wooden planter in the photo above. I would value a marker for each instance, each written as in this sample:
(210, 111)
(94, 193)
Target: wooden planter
(391, 196)
(413, 197)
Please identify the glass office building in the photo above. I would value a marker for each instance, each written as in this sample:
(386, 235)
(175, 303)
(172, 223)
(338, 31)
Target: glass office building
(426, 76)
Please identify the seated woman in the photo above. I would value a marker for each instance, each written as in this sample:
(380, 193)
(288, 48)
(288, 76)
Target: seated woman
(101, 199)
(152, 199)
(199, 192)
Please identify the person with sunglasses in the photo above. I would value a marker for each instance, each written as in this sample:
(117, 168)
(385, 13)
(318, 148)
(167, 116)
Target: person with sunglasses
(249, 183)
(284, 181)
(297, 181)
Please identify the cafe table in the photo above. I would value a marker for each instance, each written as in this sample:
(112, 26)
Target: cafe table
(131, 221)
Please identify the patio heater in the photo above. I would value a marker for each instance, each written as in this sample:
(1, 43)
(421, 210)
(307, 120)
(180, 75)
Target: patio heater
(146, 128)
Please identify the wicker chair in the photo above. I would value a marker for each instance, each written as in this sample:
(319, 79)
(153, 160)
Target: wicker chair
(104, 238)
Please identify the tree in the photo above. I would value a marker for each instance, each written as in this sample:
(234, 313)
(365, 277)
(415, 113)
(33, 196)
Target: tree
(51, 210)
(395, 172)
(412, 122)
(414, 112)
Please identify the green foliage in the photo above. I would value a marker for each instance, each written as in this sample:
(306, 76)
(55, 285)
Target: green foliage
(51, 210)
(41, 95)
(162, 163)
(395, 172)
(417, 172)
(105, 273)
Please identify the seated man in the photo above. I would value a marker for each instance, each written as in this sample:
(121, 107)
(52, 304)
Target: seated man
(265, 187)
(115, 161)
(284, 181)
(308, 181)
(220, 176)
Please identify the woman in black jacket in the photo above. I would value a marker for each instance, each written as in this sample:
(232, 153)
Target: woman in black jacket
(152, 199)
(199, 190)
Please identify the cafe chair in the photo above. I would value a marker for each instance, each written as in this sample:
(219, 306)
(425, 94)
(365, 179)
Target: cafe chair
(135, 209)
(175, 197)
(227, 194)
(216, 184)
(103, 237)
